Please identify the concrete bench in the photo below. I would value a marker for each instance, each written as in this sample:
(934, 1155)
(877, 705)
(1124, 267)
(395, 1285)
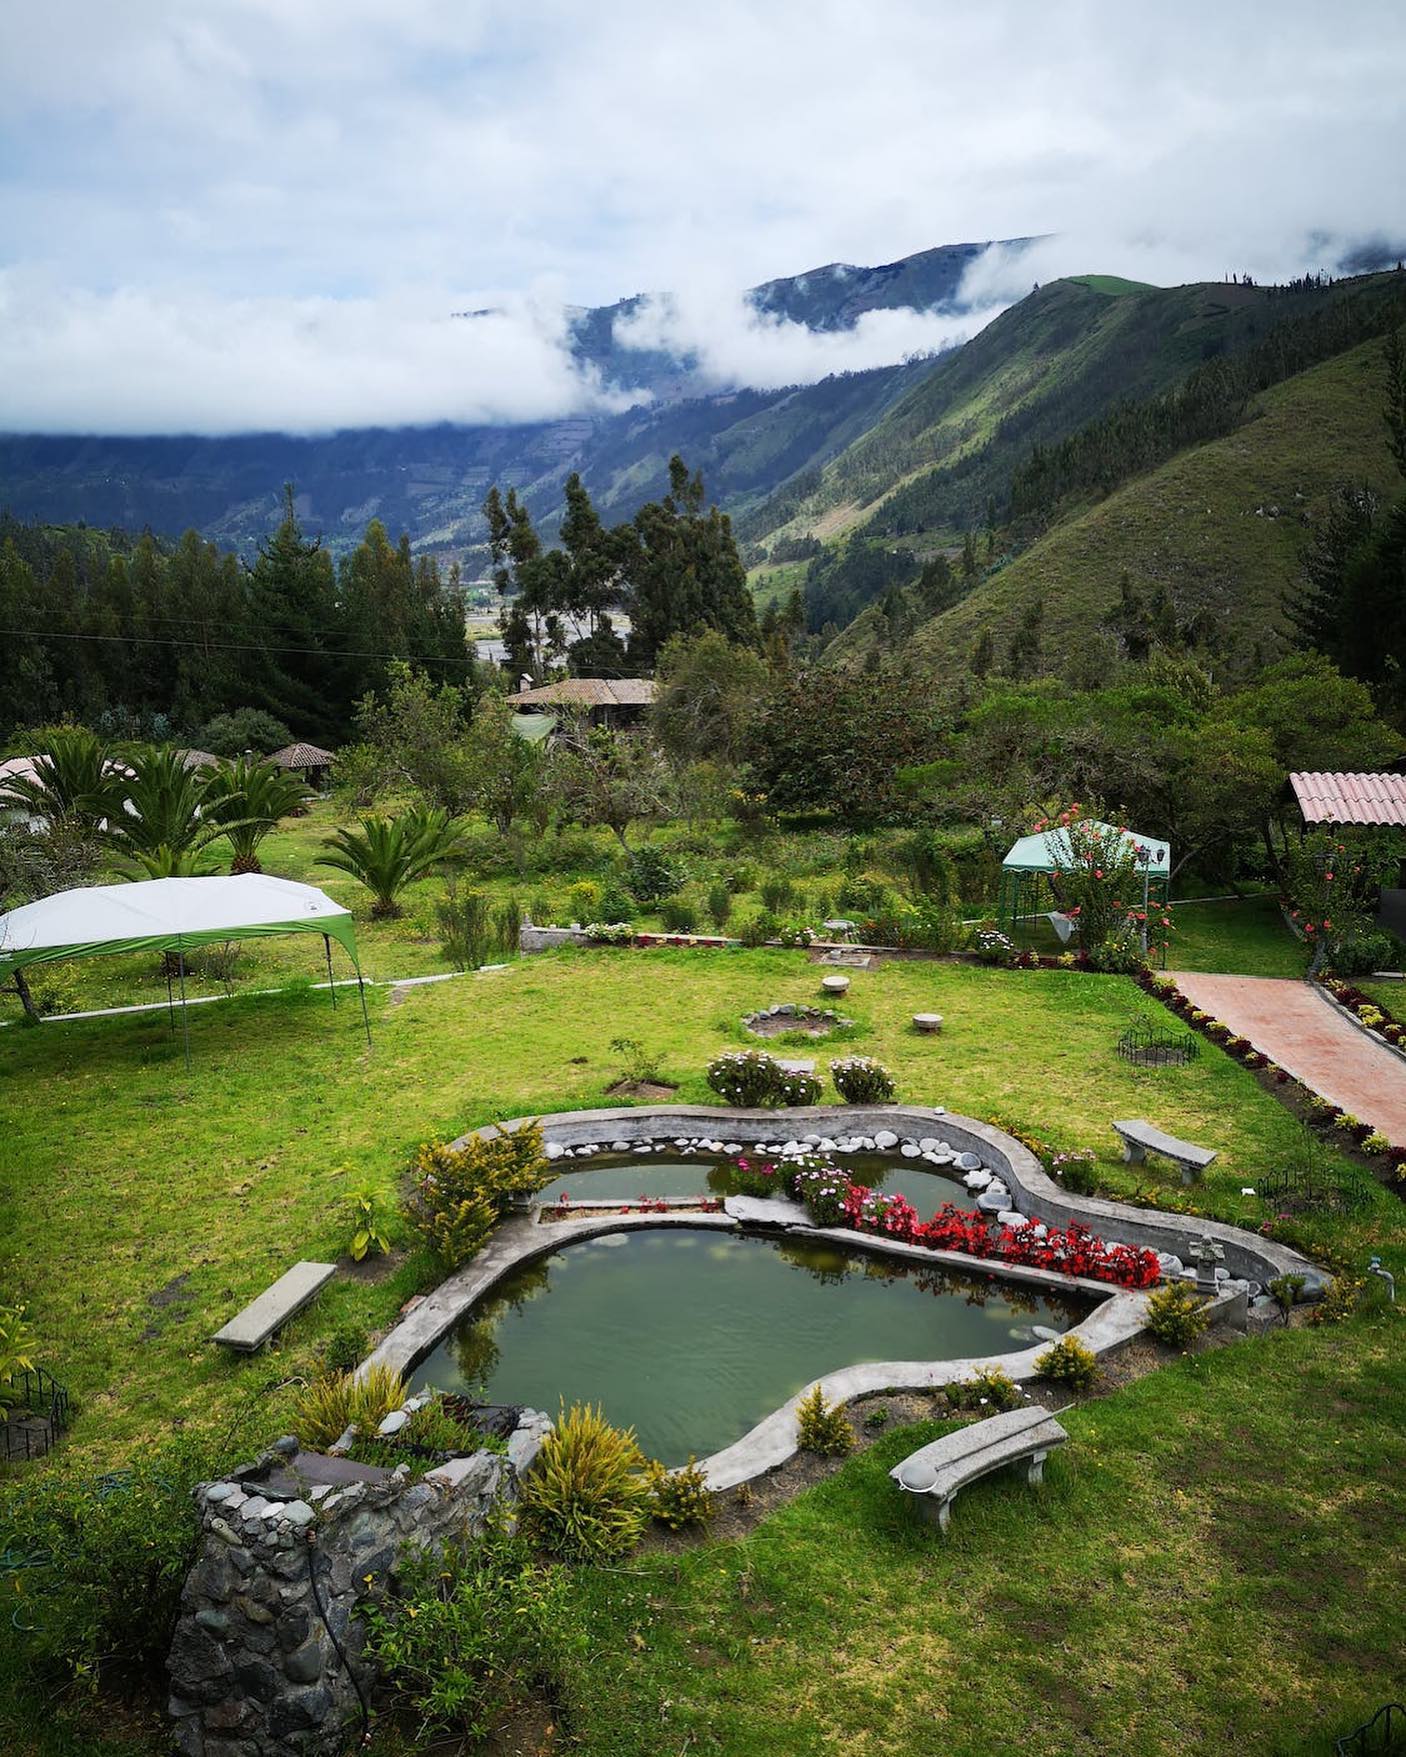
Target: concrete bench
(936, 1473)
(252, 1327)
(1140, 1138)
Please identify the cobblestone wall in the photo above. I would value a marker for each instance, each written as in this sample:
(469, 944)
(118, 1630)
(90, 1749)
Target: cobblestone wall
(267, 1644)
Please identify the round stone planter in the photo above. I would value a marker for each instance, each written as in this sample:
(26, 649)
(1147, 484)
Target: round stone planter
(835, 984)
(930, 1023)
(773, 1021)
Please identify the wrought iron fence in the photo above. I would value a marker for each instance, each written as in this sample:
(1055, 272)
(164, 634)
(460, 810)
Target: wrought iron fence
(1154, 1046)
(1384, 1733)
(37, 1411)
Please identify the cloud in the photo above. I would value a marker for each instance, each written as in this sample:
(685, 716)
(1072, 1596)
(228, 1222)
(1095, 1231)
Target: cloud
(733, 344)
(132, 361)
(210, 180)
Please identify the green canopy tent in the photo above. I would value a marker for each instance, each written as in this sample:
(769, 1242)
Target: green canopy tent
(174, 915)
(1027, 893)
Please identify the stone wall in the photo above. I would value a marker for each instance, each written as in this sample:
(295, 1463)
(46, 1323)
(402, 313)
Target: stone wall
(290, 1546)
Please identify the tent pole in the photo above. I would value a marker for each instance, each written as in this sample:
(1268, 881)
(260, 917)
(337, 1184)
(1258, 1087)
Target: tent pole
(170, 999)
(365, 1017)
(331, 985)
(185, 1010)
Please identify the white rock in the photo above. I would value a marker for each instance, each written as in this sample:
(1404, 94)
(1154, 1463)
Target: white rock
(792, 1147)
(933, 1158)
(554, 1150)
(321, 1492)
(885, 1138)
(254, 1506)
(828, 1146)
(977, 1180)
(734, 1148)
(1170, 1264)
(911, 1150)
(990, 1203)
(1011, 1217)
(968, 1162)
(1044, 1333)
(393, 1423)
(221, 1491)
(930, 1144)
(869, 1143)
(619, 1146)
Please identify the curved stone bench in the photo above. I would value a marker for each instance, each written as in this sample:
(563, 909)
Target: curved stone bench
(935, 1474)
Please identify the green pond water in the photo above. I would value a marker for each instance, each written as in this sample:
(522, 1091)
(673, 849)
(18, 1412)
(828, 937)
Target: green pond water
(623, 1177)
(691, 1336)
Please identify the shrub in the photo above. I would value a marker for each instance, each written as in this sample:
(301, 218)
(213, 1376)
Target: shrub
(329, 1406)
(719, 905)
(650, 875)
(1375, 1142)
(471, 1634)
(678, 915)
(583, 901)
(1340, 1300)
(680, 1497)
(1076, 1171)
(797, 1088)
(1176, 1315)
(990, 1387)
(616, 904)
(1068, 1362)
(866, 894)
(740, 878)
(756, 930)
(993, 947)
(793, 934)
(642, 1066)
(588, 1496)
(754, 1177)
(610, 933)
(345, 1348)
(777, 893)
(749, 1077)
(1363, 950)
(17, 1343)
(821, 1427)
(1285, 1291)
(859, 1080)
(367, 1220)
(433, 1428)
(460, 1193)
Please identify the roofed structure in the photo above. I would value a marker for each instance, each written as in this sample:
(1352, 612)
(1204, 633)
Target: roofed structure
(587, 692)
(1327, 797)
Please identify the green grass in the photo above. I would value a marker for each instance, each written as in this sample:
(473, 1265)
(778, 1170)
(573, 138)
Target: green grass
(122, 1173)
(1156, 1561)
(1246, 937)
(1207, 1568)
(1114, 285)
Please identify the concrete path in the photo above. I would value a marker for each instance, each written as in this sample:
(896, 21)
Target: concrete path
(1303, 1032)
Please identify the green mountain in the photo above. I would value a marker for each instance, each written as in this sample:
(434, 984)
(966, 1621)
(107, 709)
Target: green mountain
(1215, 535)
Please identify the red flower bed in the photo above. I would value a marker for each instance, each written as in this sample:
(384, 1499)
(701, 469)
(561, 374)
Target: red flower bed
(1074, 1250)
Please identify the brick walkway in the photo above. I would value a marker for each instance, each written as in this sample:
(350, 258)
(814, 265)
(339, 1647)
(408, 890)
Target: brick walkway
(1295, 1025)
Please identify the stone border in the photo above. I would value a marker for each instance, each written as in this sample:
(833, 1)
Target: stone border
(773, 1440)
(1347, 1013)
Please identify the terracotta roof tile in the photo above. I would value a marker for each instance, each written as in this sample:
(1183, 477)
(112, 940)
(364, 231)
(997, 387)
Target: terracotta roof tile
(1330, 798)
(588, 692)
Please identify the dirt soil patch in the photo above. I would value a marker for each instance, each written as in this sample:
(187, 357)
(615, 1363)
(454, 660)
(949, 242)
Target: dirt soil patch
(653, 1091)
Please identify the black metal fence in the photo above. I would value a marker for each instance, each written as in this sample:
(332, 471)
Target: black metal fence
(1154, 1046)
(1384, 1733)
(38, 1411)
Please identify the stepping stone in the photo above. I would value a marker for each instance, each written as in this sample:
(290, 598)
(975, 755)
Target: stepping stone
(765, 1211)
(928, 1023)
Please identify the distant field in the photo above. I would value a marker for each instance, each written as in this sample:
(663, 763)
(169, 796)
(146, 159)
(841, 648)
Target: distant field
(1113, 284)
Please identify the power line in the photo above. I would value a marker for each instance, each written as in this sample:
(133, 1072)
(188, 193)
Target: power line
(147, 640)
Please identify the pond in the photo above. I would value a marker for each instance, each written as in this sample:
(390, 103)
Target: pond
(691, 1335)
(610, 1177)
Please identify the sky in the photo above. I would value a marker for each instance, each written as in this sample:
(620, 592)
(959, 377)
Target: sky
(225, 215)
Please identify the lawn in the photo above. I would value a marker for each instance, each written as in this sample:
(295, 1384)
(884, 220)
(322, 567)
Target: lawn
(1212, 1562)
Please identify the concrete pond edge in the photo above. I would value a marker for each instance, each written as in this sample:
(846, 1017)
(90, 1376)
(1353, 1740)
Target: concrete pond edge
(1116, 1321)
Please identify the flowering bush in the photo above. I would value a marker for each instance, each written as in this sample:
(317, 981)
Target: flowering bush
(792, 936)
(895, 1217)
(755, 1178)
(823, 1189)
(858, 1080)
(749, 1077)
(993, 947)
(1098, 880)
(798, 1088)
(1075, 1170)
(609, 933)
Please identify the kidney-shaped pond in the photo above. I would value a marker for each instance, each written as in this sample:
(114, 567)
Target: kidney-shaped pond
(691, 1335)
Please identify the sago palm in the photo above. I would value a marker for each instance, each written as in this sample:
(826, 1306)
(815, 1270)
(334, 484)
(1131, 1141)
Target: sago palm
(247, 798)
(386, 854)
(77, 780)
(162, 815)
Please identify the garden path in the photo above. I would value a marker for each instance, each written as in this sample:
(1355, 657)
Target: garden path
(1297, 1027)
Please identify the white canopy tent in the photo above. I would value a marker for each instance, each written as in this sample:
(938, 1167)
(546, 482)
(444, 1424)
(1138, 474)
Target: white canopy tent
(174, 915)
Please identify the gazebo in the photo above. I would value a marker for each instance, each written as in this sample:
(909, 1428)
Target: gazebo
(308, 760)
(1027, 891)
(174, 915)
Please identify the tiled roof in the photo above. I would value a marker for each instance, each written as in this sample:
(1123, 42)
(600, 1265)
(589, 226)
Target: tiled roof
(1350, 799)
(588, 692)
(302, 756)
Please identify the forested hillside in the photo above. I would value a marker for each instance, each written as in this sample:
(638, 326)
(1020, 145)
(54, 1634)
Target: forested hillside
(1203, 550)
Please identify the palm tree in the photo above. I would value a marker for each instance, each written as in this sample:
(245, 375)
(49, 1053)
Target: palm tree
(78, 780)
(386, 854)
(162, 826)
(248, 797)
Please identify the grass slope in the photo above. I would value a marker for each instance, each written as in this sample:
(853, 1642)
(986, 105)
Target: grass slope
(1201, 525)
